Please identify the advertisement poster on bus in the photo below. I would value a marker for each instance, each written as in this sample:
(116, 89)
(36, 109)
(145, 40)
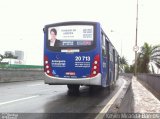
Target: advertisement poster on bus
(73, 35)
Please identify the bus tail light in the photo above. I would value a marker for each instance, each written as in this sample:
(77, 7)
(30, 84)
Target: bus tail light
(47, 67)
(95, 66)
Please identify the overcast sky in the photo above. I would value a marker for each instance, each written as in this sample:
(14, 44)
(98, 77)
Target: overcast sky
(22, 21)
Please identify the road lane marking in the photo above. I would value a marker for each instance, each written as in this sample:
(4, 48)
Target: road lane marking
(12, 101)
(35, 85)
(112, 100)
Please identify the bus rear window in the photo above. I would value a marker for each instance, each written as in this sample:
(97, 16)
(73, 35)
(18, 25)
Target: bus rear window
(70, 36)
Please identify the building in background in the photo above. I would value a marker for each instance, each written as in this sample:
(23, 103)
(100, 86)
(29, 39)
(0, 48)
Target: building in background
(19, 54)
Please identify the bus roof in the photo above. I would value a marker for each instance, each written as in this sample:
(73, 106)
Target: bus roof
(72, 22)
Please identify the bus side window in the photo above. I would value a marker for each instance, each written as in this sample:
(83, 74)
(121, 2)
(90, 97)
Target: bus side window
(110, 52)
(107, 46)
(103, 45)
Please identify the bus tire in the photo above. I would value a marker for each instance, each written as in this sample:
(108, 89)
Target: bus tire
(73, 89)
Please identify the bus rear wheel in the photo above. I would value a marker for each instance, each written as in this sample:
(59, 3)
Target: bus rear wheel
(73, 89)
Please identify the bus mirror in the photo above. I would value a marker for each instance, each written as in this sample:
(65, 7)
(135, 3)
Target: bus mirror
(44, 30)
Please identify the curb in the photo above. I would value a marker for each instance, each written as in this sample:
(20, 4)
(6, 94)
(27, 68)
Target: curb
(118, 106)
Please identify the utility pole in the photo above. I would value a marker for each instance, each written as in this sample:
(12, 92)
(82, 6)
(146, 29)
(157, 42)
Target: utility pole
(136, 47)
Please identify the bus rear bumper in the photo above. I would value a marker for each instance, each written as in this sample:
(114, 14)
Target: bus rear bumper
(64, 81)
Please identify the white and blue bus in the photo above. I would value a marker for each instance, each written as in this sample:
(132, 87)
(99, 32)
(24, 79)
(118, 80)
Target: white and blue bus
(79, 53)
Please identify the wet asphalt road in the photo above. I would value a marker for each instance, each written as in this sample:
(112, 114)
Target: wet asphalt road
(34, 99)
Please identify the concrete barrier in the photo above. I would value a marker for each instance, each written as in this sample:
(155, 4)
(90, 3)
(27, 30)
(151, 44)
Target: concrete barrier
(10, 75)
(151, 80)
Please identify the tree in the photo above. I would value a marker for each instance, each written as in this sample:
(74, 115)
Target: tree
(129, 69)
(123, 61)
(148, 55)
(1, 57)
(9, 55)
